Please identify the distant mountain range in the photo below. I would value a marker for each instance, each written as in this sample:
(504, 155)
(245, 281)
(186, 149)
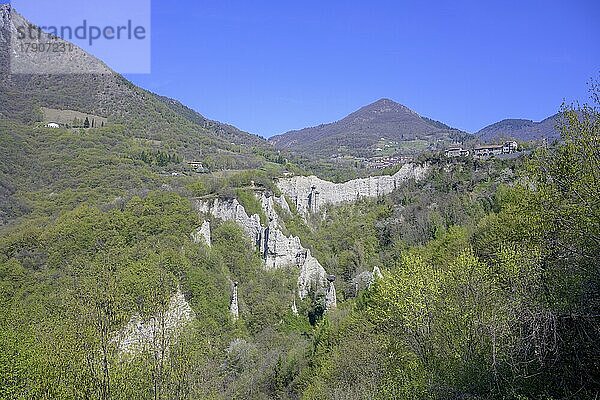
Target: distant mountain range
(386, 128)
(381, 128)
(521, 129)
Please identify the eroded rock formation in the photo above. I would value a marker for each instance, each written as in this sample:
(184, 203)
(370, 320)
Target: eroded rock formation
(294, 306)
(276, 249)
(234, 308)
(330, 296)
(268, 203)
(232, 210)
(312, 276)
(202, 234)
(375, 275)
(310, 193)
(158, 330)
(279, 250)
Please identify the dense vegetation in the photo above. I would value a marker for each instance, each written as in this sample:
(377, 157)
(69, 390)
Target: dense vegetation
(68, 288)
(506, 306)
(491, 286)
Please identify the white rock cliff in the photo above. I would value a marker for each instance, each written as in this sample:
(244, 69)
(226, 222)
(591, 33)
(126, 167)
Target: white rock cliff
(202, 234)
(310, 193)
(331, 296)
(232, 210)
(139, 334)
(276, 249)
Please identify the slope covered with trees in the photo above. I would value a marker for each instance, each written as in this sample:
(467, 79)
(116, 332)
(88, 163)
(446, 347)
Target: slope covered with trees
(146, 138)
(506, 307)
(490, 289)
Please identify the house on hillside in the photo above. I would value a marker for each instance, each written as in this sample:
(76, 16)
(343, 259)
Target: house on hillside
(487, 150)
(495, 149)
(197, 166)
(53, 125)
(510, 147)
(457, 152)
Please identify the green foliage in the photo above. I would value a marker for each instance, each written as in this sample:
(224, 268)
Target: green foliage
(504, 307)
(251, 204)
(198, 188)
(159, 158)
(490, 287)
(347, 239)
(441, 316)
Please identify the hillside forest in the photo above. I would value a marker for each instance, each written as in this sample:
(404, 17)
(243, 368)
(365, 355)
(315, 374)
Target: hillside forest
(490, 284)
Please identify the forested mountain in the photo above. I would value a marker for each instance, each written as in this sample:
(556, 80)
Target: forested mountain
(105, 93)
(372, 127)
(489, 290)
(109, 159)
(521, 130)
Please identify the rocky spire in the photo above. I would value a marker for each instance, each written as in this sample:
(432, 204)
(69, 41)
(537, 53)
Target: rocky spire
(375, 276)
(202, 234)
(294, 307)
(313, 205)
(330, 296)
(233, 307)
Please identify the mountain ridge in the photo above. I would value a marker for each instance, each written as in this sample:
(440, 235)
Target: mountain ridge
(521, 129)
(102, 92)
(143, 139)
(360, 131)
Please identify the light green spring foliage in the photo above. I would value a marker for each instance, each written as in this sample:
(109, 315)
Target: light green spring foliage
(69, 287)
(490, 287)
(506, 307)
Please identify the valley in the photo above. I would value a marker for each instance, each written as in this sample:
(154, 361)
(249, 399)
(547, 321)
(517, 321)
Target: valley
(149, 252)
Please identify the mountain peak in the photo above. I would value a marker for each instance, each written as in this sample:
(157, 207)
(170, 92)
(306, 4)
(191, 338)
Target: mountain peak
(386, 105)
(367, 131)
(384, 101)
(75, 61)
(380, 111)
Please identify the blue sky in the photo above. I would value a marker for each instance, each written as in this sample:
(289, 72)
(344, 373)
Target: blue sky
(271, 66)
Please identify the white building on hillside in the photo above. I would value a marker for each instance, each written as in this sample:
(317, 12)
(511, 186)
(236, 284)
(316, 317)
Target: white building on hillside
(510, 147)
(456, 152)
